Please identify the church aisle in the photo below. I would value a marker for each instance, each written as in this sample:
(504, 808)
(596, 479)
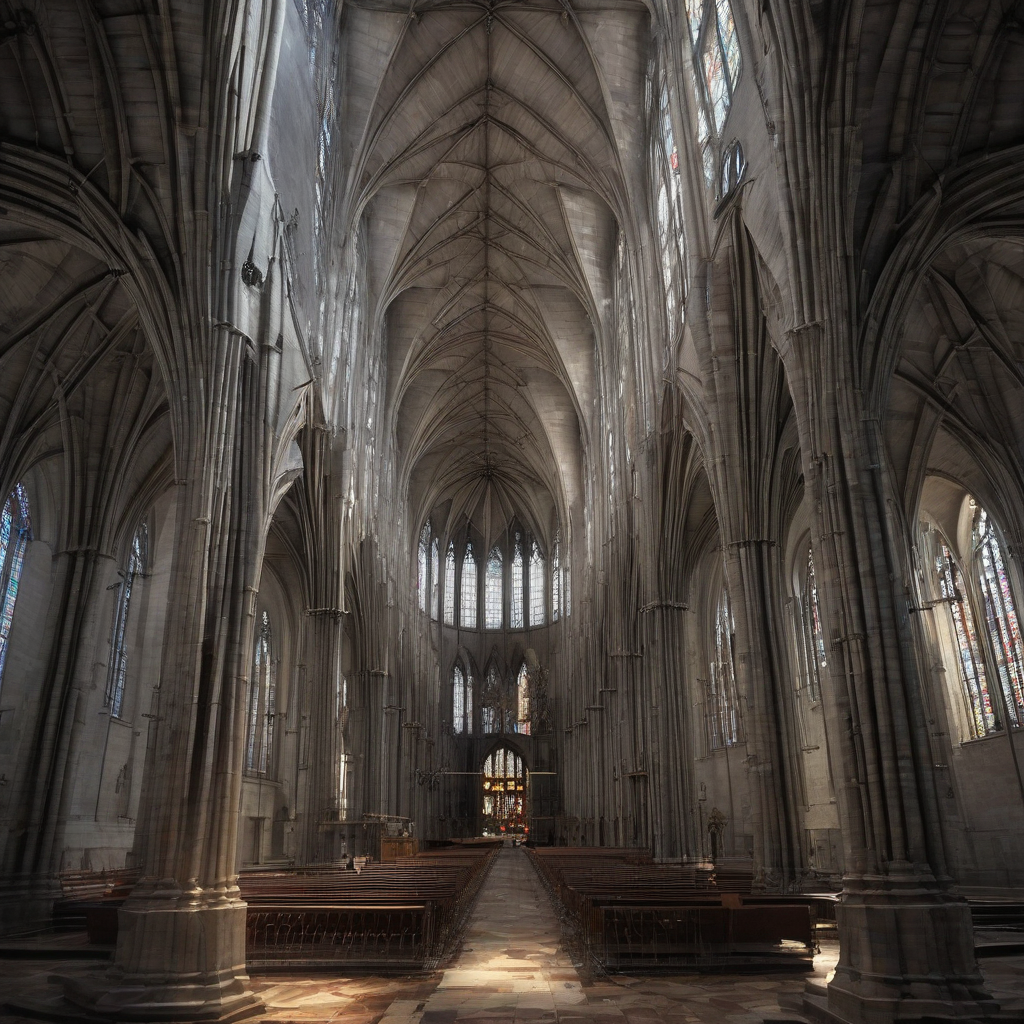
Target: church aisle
(512, 969)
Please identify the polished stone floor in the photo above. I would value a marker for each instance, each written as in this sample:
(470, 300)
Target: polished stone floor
(513, 969)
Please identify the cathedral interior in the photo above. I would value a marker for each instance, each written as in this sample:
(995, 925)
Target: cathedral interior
(532, 480)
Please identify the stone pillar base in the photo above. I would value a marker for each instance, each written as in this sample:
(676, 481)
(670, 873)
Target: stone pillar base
(173, 963)
(906, 955)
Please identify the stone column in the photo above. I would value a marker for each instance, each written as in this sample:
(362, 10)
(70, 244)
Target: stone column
(906, 938)
(181, 941)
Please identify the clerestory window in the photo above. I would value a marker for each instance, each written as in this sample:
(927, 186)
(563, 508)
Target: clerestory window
(516, 617)
(449, 586)
(716, 71)
(467, 603)
(537, 612)
(493, 589)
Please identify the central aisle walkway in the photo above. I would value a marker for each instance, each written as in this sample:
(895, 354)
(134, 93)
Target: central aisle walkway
(511, 964)
(513, 970)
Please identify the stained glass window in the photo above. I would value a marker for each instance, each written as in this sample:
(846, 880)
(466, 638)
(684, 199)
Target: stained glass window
(435, 580)
(449, 586)
(493, 579)
(118, 665)
(556, 581)
(15, 533)
(537, 617)
(716, 63)
(423, 567)
(462, 701)
(811, 632)
(262, 703)
(516, 585)
(1000, 614)
(720, 709)
(523, 702)
(467, 604)
(504, 790)
(984, 719)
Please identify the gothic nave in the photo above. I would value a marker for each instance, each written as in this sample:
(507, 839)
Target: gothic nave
(432, 424)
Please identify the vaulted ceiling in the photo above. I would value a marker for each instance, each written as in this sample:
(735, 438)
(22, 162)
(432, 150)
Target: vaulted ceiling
(485, 148)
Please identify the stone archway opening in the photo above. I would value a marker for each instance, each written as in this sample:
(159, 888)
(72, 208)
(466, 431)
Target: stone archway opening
(505, 792)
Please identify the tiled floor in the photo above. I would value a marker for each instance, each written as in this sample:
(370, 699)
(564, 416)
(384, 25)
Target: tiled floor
(512, 969)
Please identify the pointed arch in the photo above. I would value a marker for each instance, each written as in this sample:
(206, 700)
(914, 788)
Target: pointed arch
(517, 618)
(462, 699)
(138, 558)
(449, 586)
(537, 596)
(522, 725)
(262, 703)
(494, 586)
(467, 597)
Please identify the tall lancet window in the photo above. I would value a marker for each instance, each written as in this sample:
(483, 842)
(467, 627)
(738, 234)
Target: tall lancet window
(262, 704)
(423, 567)
(720, 716)
(716, 66)
(811, 632)
(493, 580)
(556, 580)
(537, 617)
(467, 605)
(516, 620)
(118, 665)
(449, 586)
(523, 701)
(983, 717)
(492, 704)
(435, 580)
(1000, 614)
(15, 533)
(462, 701)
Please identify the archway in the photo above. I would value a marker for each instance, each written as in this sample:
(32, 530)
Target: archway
(504, 796)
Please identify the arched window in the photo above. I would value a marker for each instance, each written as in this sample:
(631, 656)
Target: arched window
(118, 666)
(716, 67)
(811, 635)
(449, 586)
(262, 703)
(504, 789)
(983, 717)
(516, 620)
(720, 709)
(556, 581)
(493, 579)
(669, 209)
(523, 701)
(1000, 613)
(467, 605)
(462, 701)
(423, 567)
(536, 586)
(435, 580)
(15, 533)
(492, 704)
